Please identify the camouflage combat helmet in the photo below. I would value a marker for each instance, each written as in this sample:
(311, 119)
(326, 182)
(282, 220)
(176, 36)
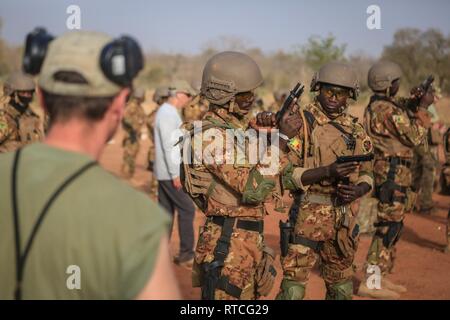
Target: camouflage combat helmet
(339, 74)
(160, 93)
(139, 93)
(381, 75)
(18, 81)
(227, 74)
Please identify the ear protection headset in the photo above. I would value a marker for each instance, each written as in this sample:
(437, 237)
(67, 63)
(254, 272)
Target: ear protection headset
(120, 60)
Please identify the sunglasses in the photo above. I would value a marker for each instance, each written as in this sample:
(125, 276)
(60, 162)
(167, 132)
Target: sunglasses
(247, 96)
(339, 93)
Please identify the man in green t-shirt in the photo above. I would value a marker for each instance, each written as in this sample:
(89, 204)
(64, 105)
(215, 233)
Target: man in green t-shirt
(69, 229)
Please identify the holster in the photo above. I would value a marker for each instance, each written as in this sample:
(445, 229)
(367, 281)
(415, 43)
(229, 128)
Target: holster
(210, 279)
(392, 235)
(286, 230)
(385, 192)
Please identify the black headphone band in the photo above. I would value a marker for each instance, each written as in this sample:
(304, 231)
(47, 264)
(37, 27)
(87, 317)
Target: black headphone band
(120, 60)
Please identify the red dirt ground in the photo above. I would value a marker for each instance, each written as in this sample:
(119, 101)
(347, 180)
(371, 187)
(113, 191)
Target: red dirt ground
(421, 266)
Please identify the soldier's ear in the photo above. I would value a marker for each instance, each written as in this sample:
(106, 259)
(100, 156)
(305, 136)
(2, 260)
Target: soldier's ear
(119, 101)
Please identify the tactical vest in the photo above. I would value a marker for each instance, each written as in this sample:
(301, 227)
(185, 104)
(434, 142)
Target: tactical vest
(336, 139)
(211, 195)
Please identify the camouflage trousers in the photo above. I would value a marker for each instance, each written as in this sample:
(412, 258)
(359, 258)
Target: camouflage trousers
(448, 229)
(319, 223)
(245, 254)
(380, 254)
(130, 151)
(424, 171)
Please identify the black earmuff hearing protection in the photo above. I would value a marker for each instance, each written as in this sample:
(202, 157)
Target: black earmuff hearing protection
(36, 45)
(120, 60)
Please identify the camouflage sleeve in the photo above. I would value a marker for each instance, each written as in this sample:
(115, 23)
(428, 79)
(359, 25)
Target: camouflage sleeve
(407, 130)
(5, 129)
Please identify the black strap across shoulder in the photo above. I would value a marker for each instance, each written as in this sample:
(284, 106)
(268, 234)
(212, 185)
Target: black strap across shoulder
(21, 257)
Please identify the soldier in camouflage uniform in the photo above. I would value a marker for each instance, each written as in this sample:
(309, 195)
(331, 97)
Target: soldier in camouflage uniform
(19, 125)
(132, 122)
(231, 260)
(425, 164)
(445, 182)
(324, 227)
(160, 96)
(395, 130)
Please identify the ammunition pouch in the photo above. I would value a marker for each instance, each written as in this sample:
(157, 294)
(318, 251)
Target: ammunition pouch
(393, 233)
(265, 273)
(198, 184)
(347, 240)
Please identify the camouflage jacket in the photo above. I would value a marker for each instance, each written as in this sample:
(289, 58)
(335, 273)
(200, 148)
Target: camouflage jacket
(133, 118)
(393, 130)
(18, 129)
(232, 185)
(322, 142)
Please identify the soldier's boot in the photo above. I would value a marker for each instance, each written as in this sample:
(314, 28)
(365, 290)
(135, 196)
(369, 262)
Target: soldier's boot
(340, 291)
(381, 294)
(291, 290)
(385, 283)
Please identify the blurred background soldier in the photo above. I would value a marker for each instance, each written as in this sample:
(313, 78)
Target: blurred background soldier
(445, 182)
(395, 130)
(279, 96)
(160, 96)
(132, 122)
(19, 125)
(426, 162)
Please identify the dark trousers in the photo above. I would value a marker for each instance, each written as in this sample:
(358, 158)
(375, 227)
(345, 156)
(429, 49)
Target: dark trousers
(170, 199)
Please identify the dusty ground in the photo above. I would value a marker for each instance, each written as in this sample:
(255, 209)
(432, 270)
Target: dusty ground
(421, 266)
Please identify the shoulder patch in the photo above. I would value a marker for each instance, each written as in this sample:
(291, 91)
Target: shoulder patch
(367, 145)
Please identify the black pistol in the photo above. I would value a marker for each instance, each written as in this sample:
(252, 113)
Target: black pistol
(294, 94)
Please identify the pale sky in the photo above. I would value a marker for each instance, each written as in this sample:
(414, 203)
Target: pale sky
(185, 26)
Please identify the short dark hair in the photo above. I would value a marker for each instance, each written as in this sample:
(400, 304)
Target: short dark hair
(62, 107)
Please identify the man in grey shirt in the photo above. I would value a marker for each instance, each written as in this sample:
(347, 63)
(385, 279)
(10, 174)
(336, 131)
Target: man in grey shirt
(167, 167)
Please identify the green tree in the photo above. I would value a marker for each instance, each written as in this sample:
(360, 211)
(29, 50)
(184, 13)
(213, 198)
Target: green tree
(319, 51)
(420, 54)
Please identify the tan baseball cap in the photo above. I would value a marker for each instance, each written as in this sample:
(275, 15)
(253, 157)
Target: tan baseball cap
(77, 51)
(182, 86)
